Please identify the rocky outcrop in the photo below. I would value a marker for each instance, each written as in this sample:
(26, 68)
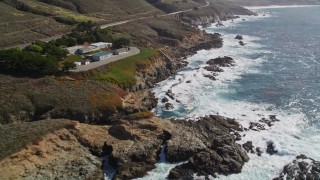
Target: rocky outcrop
(239, 37)
(213, 68)
(263, 123)
(221, 61)
(301, 168)
(168, 106)
(207, 145)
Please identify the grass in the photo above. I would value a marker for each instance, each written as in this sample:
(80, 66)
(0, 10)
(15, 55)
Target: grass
(72, 58)
(14, 137)
(123, 72)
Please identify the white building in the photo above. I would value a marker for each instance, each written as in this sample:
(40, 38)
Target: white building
(102, 45)
(73, 49)
(82, 62)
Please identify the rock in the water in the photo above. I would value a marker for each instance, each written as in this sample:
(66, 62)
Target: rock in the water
(256, 126)
(170, 94)
(210, 77)
(241, 43)
(222, 61)
(239, 37)
(165, 99)
(213, 68)
(270, 121)
(300, 169)
(259, 152)
(248, 146)
(168, 106)
(271, 149)
(219, 24)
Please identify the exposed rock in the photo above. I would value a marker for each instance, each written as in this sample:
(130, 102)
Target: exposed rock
(213, 68)
(219, 24)
(301, 168)
(168, 106)
(210, 77)
(222, 61)
(271, 149)
(259, 151)
(256, 126)
(241, 43)
(270, 121)
(170, 94)
(189, 81)
(208, 145)
(165, 99)
(248, 146)
(239, 37)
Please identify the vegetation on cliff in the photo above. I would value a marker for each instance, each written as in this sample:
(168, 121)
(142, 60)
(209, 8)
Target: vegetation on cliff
(123, 72)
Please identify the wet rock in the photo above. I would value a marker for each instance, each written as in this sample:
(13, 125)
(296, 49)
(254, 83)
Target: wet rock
(248, 146)
(241, 43)
(168, 106)
(300, 169)
(170, 94)
(164, 100)
(239, 37)
(259, 151)
(219, 24)
(256, 126)
(270, 121)
(222, 61)
(213, 68)
(271, 149)
(209, 76)
(209, 148)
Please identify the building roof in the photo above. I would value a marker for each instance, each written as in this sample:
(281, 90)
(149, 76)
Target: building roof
(103, 53)
(100, 44)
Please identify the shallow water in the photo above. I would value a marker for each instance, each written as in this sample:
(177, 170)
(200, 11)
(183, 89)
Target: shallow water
(276, 73)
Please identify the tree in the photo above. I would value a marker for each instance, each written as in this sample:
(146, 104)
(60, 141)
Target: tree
(34, 48)
(67, 66)
(121, 42)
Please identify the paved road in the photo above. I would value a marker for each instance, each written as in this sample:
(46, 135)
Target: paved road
(133, 51)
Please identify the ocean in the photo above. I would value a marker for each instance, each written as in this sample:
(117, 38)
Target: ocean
(277, 72)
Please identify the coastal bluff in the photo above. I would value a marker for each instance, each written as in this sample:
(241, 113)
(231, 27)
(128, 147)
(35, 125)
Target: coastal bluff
(132, 145)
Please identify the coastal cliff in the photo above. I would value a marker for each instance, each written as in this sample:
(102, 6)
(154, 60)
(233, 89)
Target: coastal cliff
(131, 145)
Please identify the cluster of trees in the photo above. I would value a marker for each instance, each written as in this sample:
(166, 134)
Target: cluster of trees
(26, 63)
(90, 32)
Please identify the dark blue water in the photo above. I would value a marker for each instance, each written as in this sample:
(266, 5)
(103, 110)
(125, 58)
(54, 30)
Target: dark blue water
(291, 78)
